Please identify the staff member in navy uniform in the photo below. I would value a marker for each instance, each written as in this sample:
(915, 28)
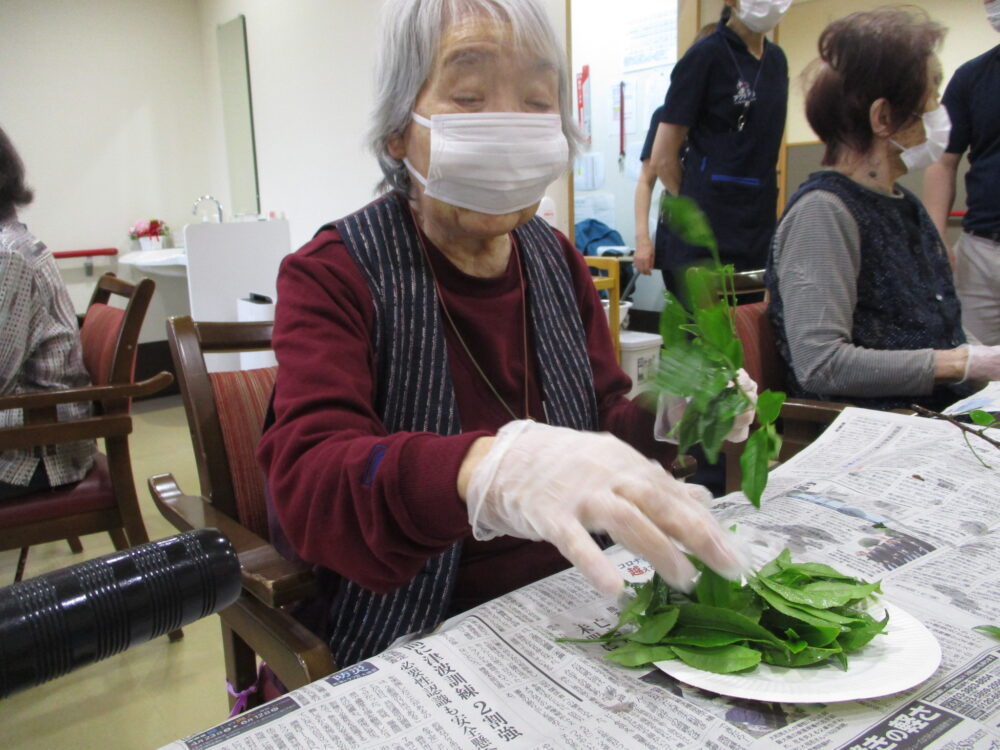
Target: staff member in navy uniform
(721, 130)
(973, 103)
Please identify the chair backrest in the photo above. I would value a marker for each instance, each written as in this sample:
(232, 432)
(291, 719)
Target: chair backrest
(225, 412)
(610, 282)
(761, 359)
(110, 335)
(749, 282)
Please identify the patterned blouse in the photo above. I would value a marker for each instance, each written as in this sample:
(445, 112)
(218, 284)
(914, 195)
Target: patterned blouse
(39, 351)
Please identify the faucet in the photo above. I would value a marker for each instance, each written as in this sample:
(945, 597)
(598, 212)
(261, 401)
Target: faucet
(218, 206)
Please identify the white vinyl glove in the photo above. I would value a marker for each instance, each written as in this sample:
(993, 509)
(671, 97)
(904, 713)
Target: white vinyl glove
(983, 363)
(670, 411)
(555, 484)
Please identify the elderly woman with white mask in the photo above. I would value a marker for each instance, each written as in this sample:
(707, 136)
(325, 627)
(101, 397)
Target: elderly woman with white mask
(450, 422)
(862, 299)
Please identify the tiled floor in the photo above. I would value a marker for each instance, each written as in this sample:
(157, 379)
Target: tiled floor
(153, 693)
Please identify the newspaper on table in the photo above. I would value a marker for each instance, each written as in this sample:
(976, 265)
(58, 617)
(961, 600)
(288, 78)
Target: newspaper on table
(879, 496)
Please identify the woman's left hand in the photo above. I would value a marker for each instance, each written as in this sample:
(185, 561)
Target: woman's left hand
(670, 410)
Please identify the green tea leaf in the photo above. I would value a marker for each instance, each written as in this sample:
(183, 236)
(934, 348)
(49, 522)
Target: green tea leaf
(753, 465)
(654, 628)
(860, 633)
(823, 594)
(716, 618)
(715, 326)
(639, 654)
(991, 630)
(683, 217)
(804, 658)
(782, 605)
(775, 566)
(701, 637)
(672, 317)
(684, 370)
(818, 635)
(721, 660)
(982, 418)
(769, 406)
(711, 588)
(810, 570)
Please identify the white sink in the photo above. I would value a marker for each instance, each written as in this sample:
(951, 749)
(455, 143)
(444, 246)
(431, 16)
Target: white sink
(171, 261)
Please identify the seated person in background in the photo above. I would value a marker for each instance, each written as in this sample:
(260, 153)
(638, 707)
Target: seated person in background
(40, 340)
(445, 367)
(862, 299)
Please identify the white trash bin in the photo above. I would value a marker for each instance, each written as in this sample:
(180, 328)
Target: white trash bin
(640, 358)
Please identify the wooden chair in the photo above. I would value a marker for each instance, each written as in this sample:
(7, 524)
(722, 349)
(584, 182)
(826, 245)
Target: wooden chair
(610, 283)
(747, 283)
(225, 412)
(105, 499)
(802, 420)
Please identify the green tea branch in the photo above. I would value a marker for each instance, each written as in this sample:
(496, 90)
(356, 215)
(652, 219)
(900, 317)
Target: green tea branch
(981, 419)
(702, 356)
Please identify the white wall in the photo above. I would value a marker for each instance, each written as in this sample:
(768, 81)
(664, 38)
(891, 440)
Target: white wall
(311, 72)
(969, 34)
(600, 41)
(114, 105)
(104, 101)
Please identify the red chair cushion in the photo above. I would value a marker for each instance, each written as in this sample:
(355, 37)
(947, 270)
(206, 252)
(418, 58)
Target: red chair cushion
(241, 399)
(99, 337)
(93, 492)
(760, 355)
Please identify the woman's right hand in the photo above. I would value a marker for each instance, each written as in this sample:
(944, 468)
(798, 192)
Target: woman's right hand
(642, 261)
(983, 363)
(539, 482)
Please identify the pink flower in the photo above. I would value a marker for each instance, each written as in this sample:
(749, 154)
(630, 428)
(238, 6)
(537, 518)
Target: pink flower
(148, 228)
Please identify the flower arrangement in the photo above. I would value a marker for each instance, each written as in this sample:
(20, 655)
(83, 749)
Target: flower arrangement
(148, 228)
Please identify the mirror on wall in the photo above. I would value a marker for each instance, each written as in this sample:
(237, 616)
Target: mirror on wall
(237, 116)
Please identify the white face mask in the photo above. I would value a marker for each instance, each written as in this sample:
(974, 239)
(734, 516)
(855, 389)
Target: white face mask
(762, 15)
(492, 162)
(937, 126)
(993, 13)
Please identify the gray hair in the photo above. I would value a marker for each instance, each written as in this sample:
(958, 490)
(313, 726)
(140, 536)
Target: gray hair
(409, 34)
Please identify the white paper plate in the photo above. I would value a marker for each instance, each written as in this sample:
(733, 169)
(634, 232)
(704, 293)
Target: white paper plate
(904, 656)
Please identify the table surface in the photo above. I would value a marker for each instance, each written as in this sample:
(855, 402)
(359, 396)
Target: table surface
(880, 496)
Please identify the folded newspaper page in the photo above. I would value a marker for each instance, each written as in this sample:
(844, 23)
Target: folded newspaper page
(880, 496)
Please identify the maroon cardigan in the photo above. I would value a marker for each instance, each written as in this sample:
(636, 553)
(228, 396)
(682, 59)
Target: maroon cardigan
(372, 506)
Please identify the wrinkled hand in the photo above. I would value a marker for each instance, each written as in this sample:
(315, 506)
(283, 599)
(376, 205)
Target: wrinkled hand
(983, 363)
(670, 410)
(642, 260)
(556, 484)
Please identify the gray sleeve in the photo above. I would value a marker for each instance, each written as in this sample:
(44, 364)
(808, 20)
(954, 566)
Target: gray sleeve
(817, 258)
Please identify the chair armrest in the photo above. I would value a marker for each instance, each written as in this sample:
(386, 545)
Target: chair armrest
(297, 655)
(46, 399)
(270, 577)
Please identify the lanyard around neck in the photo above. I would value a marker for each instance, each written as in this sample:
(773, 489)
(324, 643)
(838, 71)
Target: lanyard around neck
(745, 93)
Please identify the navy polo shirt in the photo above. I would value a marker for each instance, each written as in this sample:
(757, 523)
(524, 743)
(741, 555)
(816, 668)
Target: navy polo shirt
(716, 87)
(973, 103)
(654, 124)
(703, 97)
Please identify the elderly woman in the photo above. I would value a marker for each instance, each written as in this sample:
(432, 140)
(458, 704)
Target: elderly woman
(445, 364)
(862, 299)
(40, 346)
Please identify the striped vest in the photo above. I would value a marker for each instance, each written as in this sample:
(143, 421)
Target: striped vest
(415, 391)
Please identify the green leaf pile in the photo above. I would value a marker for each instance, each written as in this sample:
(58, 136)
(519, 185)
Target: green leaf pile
(787, 614)
(702, 356)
